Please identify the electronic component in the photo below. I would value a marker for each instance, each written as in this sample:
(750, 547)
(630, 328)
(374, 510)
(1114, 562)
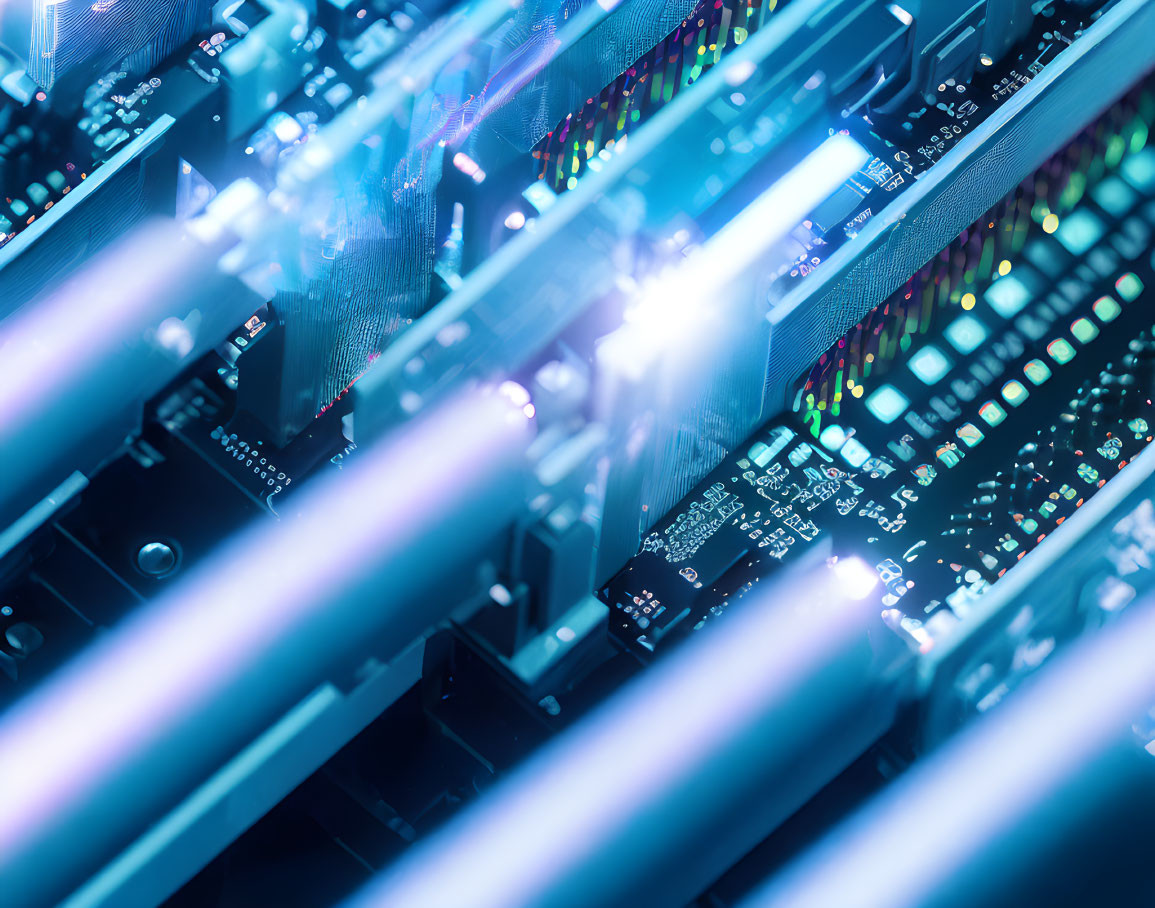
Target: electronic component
(680, 420)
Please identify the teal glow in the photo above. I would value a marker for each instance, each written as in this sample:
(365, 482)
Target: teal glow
(887, 403)
(1114, 196)
(929, 364)
(969, 434)
(1079, 231)
(965, 333)
(1139, 171)
(832, 438)
(1008, 295)
(855, 453)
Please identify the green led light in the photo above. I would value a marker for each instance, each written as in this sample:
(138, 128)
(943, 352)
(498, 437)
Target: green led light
(1106, 309)
(1028, 525)
(991, 413)
(1047, 508)
(1037, 371)
(969, 434)
(1084, 330)
(1015, 393)
(1129, 287)
(1087, 473)
(1061, 351)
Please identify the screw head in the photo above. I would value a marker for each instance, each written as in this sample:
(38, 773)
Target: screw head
(156, 558)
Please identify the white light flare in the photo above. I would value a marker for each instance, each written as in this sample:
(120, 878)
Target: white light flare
(857, 577)
(672, 309)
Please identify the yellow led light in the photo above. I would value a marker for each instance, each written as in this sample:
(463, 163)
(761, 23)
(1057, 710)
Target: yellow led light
(968, 301)
(1050, 223)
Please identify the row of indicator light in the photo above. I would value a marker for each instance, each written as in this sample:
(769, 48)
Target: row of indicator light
(1077, 232)
(930, 364)
(966, 334)
(836, 439)
(1116, 195)
(605, 122)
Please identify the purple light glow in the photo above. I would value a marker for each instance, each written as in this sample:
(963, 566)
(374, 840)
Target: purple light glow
(577, 793)
(272, 582)
(914, 837)
(48, 347)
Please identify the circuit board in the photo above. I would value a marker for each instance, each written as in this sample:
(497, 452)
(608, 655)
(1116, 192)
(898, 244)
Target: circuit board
(943, 438)
(906, 137)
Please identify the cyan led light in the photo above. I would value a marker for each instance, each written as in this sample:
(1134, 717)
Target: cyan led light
(1015, 393)
(1061, 351)
(1084, 330)
(855, 452)
(1139, 171)
(966, 333)
(969, 434)
(887, 403)
(930, 364)
(1046, 255)
(1037, 371)
(948, 456)
(1008, 295)
(1106, 309)
(992, 413)
(832, 438)
(1079, 231)
(782, 207)
(1114, 196)
(668, 312)
(1129, 287)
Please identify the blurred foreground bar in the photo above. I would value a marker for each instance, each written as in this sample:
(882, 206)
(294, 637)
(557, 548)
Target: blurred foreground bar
(649, 798)
(77, 365)
(1049, 797)
(369, 560)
